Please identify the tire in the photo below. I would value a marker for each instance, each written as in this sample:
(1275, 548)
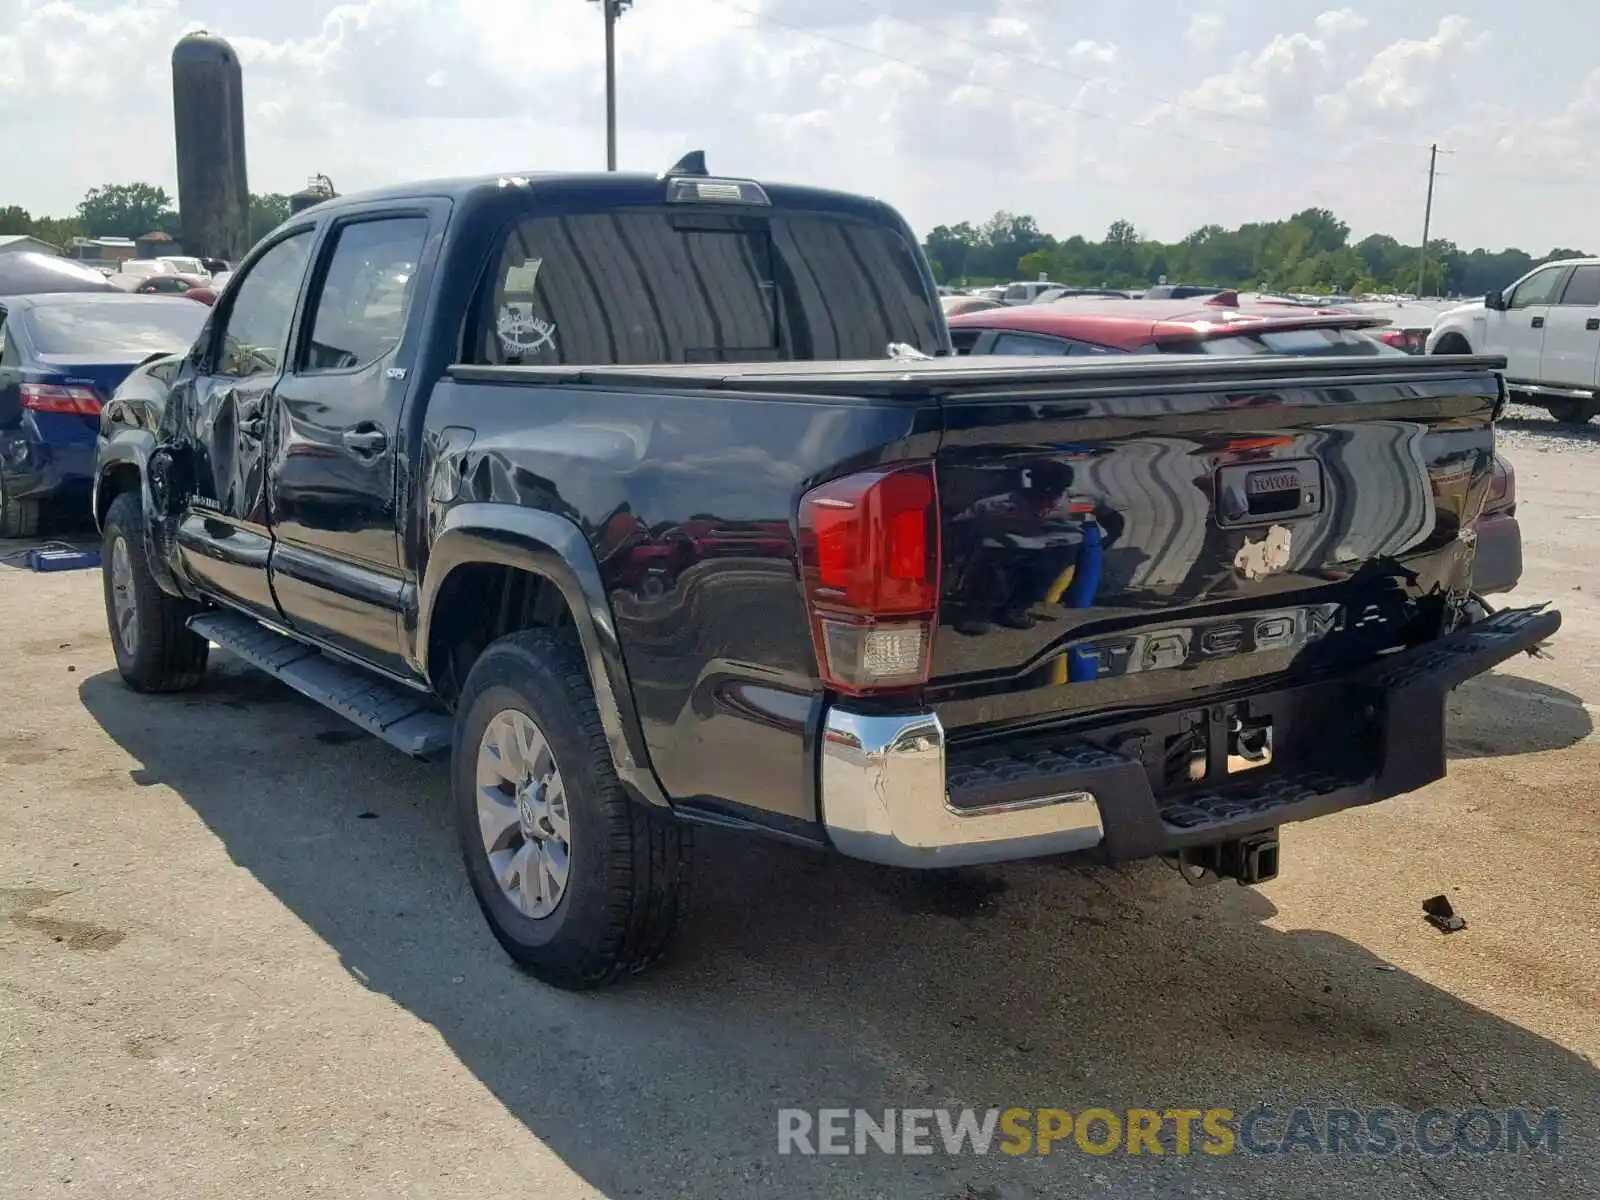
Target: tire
(1572, 412)
(18, 518)
(626, 866)
(161, 655)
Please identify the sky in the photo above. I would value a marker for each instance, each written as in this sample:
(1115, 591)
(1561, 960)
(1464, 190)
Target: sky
(1170, 115)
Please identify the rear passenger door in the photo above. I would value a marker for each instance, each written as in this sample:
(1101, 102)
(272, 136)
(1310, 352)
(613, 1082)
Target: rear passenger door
(1571, 348)
(339, 447)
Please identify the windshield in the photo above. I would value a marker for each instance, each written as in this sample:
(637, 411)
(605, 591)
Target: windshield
(186, 266)
(643, 288)
(1325, 343)
(115, 330)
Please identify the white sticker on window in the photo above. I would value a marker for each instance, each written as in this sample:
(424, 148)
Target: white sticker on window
(522, 333)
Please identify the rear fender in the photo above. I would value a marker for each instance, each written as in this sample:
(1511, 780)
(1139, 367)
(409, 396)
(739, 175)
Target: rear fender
(555, 549)
(128, 451)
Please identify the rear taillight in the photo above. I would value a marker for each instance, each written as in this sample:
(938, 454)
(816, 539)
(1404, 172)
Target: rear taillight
(869, 562)
(1408, 340)
(61, 398)
(1502, 488)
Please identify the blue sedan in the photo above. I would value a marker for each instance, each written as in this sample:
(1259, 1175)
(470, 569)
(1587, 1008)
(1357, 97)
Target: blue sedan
(61, 356)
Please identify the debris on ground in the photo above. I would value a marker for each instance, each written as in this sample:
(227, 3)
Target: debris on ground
(1438, 913)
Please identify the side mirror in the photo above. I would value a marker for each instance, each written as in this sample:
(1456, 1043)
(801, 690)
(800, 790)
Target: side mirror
(1495, 301)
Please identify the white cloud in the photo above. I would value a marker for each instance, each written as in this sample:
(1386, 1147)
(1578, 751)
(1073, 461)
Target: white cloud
(1205, 31)
(1338, 21)
(1281, 79)
(1088, 50)
(1408, 77)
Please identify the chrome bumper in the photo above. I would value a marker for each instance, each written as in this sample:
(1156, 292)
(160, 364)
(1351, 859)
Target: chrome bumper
(885, 799)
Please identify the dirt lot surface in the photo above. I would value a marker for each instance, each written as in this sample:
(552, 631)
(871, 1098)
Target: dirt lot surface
(238, 958)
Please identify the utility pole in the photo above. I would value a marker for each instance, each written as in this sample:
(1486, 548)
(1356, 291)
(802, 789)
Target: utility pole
(612, 9)
(1427, 220)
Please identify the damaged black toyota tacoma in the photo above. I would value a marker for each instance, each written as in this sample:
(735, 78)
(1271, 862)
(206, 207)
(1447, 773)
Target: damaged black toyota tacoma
(661, 501)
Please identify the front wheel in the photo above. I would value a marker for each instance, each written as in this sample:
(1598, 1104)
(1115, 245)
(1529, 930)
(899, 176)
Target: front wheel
(579, 883)
(156, 652)
(1572, 412)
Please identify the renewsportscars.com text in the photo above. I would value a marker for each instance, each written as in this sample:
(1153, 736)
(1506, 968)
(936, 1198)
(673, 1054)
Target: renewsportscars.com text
(1169, 1131)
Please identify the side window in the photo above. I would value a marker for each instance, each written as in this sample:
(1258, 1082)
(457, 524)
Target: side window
(360, 309)
(263, 307)
(963, 340)
(1022, 343)
(1583, 288)
(1017, 291)
(1538, 288)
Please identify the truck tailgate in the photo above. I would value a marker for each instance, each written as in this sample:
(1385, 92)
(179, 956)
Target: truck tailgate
(1128, 536)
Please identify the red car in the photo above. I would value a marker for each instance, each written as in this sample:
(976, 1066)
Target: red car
(1092, 325)
(1219, 325)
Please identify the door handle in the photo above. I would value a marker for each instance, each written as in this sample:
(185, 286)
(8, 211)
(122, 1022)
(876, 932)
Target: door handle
(365, 440)
(1592, 323)
(1538, 322)
(253, 427)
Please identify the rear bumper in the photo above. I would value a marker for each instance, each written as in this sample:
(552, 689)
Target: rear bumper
(1497, 562)
(36, 467)
(894, 791)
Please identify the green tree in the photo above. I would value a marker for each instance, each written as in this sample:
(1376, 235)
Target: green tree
(127, 210)
(268, 210)
(948, 247)
(15, 220)
(59, 231)
(1328, 233)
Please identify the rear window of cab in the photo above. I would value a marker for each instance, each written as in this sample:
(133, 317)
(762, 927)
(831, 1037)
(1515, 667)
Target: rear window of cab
(641, 287)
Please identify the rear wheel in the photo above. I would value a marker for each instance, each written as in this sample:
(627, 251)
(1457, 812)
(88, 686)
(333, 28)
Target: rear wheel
(19, 518)
(150, 636)
(1572, 412)
(579, 883)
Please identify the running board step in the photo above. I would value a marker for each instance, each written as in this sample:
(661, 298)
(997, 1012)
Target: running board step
(399, 716)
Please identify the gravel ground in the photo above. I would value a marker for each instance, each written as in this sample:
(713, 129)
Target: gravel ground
(238, 958)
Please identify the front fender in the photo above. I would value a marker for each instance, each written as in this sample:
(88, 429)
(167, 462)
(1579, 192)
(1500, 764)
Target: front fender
(550, 546)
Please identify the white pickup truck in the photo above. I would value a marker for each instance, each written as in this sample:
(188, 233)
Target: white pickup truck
(1547, 325)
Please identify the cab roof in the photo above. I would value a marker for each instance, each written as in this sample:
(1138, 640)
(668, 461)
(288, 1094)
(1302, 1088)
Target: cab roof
(605, 189)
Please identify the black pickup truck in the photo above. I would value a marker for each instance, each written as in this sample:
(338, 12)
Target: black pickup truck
(661, 501)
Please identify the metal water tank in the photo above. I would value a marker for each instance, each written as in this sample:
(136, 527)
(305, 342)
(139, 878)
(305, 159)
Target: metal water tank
(208, 116)
(320, 188)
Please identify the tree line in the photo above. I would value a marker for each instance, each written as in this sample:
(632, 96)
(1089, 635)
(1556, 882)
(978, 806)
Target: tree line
(1309, 252)
(130, 210)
